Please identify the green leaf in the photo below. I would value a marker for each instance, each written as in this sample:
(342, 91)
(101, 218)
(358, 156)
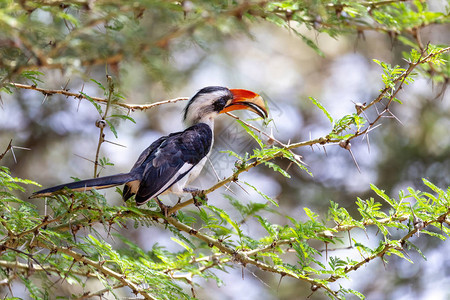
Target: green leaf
(68, 17)
(262, 194)
(33, 76)
(434, 234)
(251, 133)
(277, 168)
(356, 293)
(383, 195)
(123, 117)
(135, 210)
(311, 44)
(313, 216)
(6, 89)
(113, 129)
(96, 105)
(224, 216)
(322, 108)
(249, 209)
(399, 254)
(231, 153)
(182, 244)
(291, 156)
(267, 226)
(432, 186)
(98, 84)
(104, 161)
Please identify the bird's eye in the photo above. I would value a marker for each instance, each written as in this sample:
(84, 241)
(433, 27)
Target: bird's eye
(220, 103)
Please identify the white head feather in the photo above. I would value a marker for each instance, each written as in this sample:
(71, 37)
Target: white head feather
(204, 106)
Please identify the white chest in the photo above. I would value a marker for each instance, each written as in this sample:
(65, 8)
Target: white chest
(178, 187)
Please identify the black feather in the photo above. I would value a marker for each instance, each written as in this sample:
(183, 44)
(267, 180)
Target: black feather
(164, 162)
(88, 184)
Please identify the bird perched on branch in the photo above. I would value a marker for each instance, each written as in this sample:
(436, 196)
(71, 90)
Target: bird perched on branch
(173, 161)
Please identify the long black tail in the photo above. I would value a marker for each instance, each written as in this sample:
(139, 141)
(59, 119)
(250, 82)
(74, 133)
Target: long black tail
(88, 184)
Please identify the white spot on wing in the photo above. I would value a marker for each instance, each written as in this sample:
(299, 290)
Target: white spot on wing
(178, 187)
(185, 168)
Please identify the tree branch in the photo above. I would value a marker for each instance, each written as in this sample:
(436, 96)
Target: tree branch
(243, 257)
(7, 149)
(132, 107)
(389, 246)
(100, 268)
(100, 293)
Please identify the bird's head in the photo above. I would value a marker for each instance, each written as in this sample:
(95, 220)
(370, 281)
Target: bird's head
(211, 101)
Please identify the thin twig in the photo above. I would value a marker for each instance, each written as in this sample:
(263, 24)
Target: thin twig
(131, 107)
(101, 137)
(389, 246)
(100, 293)
(100, 267)
(243, 258)
(7, 149)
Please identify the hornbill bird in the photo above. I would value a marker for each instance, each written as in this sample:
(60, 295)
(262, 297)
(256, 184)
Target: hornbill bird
(173, 161)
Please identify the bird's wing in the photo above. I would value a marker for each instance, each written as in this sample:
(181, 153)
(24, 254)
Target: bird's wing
(138, 169)
(166, 163)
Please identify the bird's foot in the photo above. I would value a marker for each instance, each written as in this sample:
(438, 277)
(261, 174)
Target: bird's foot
(165, 209)
(198, 195)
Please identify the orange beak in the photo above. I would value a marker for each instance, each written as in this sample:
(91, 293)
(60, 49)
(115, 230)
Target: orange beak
(244, 99)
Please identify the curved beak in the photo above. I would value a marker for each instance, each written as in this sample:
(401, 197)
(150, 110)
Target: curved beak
(244, 99)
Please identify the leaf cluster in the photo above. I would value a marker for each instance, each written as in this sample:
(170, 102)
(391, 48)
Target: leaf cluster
(73, 241)
(82, 33)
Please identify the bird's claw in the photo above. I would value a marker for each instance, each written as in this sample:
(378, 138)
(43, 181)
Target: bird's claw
(199, 197)
(165, 209)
